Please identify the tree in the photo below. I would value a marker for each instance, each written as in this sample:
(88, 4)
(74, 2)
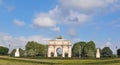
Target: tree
(21, 51)
(31, 52)
(75, 49)
(118, 52)
(107, 52)
(82, 49)
(90, 48)
(35, 48)
(13, 52)
(3, 50)
(79, 49)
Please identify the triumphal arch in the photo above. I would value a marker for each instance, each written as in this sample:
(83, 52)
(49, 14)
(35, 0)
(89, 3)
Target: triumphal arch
(54, 45)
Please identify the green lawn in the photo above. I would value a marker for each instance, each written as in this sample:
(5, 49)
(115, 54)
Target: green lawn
(24, 61)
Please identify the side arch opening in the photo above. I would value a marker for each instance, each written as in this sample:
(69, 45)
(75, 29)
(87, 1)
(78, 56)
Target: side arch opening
(66, 54)
(52, 54)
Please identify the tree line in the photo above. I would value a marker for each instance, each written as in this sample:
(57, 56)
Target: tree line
(32, 49)
(88, 49)
(79, 49)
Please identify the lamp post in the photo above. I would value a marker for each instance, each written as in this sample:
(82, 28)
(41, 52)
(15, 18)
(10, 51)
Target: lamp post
(9, 50)
(79, 51)
(116, 51)
(45, 50)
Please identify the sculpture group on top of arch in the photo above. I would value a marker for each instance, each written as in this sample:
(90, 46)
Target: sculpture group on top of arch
(54, 45)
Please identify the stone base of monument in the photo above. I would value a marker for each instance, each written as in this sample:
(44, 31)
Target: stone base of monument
(17, 54)
(98, 53)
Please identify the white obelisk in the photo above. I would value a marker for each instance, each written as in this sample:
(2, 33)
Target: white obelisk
(17, 54)
(98, 53)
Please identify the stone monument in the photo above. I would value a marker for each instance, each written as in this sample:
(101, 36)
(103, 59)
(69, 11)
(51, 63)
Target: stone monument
(17, 54)
(98, 53)
(59, 43)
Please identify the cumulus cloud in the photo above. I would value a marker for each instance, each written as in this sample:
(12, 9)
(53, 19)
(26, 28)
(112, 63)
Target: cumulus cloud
(115, 7)
(87, 4)
(43, 20)
(57, 29)
(73, 12)
(108, 44)
(46, 20)
(1, 1)
(74, 40)
(37, 38)
(20, 42)
(72, 32)
(18, 22)
(76, 17)
(11, 8)
(55, 12)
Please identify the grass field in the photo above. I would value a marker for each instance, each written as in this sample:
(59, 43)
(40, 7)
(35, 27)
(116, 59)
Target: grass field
(24, 61)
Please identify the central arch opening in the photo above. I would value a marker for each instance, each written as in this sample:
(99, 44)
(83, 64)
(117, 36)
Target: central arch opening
(59, 52)
(66, 54)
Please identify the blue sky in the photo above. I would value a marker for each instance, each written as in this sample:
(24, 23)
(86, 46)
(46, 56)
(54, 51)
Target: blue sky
(76, 20)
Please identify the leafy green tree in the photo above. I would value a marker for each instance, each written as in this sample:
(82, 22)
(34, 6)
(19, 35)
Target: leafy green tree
(75, 49)
(22, 52)
(90, 49)
(45, 51)
(107, 52)
(13, 52)
(82, 49)
(79, 49)
(3, 50)
(35, 48)
(31, 52)
(118, 52)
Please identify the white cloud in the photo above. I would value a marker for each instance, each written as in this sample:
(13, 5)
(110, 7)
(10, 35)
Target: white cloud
(57, 29)
(43, 20)
(7, 38)
(72, 32)
(74, 40)
(72, 12)
(55, 12)
(115, 7)
(18, 22)
(77, 17)
(46, 20)
(108, 44)
(11, 8)
(87, 4)
(20, 42)
(1, 1)
(36, 38)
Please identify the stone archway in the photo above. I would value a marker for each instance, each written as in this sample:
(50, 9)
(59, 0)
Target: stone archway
(53, 46)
